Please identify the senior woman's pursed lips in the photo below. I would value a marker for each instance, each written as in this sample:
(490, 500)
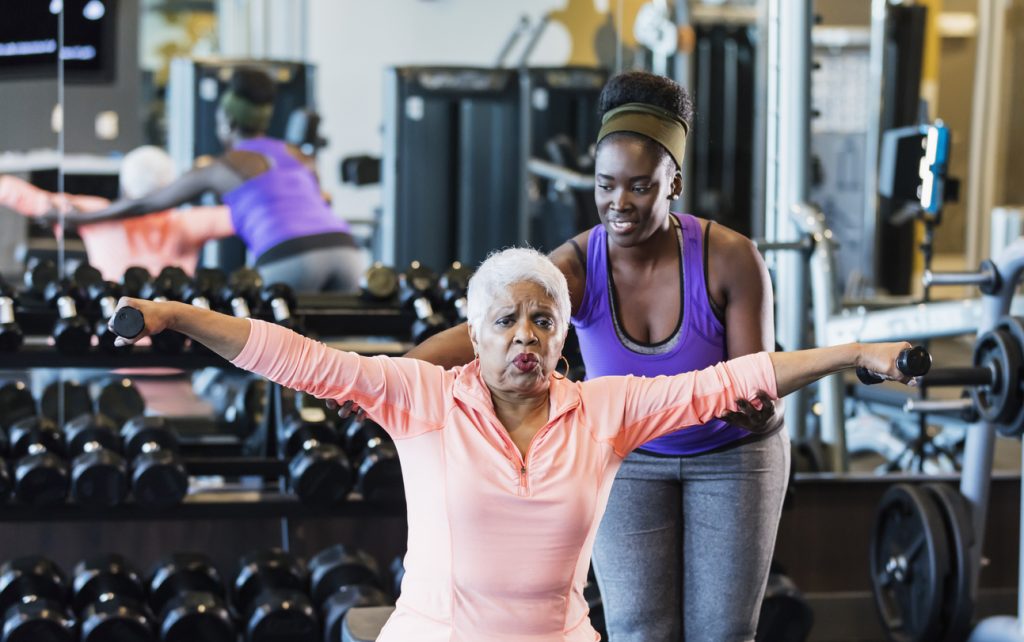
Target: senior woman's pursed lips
(525, 361)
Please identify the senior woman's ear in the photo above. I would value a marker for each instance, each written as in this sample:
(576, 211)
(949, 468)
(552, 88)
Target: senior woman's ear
(472, 339)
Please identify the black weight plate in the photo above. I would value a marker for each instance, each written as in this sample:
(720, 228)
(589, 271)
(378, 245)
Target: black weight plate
(960, 535)
(995, 403)
(1014, 426)
(909, 563)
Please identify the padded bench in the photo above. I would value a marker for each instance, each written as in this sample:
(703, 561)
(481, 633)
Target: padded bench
(363, 624)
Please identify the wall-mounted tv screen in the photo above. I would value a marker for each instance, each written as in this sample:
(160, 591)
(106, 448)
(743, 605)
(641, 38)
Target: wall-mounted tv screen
(29, 39)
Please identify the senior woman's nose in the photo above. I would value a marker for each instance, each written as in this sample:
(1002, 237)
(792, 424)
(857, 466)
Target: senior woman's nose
(524, 333)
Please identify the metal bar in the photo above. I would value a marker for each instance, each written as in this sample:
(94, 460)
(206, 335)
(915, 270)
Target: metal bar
(976, 477)
(876, 84)
(513, 38)
(937, 405)
(982, 278)
(967, 376)
(551, 171)
(821, 266)
(531, 44)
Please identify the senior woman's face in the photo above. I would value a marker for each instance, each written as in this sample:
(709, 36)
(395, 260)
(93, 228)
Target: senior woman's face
(519, 339)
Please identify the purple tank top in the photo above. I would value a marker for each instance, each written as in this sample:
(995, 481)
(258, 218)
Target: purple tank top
(698, 342)
(280, 204)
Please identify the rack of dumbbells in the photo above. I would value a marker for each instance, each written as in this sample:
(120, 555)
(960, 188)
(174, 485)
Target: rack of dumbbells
(271, 596)
(86, 451)
(91, 452)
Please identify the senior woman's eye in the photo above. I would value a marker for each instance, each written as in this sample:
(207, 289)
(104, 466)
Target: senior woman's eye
(545, 322)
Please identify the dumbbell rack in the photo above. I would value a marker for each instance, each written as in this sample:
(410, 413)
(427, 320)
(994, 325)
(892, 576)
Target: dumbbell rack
(317, 313)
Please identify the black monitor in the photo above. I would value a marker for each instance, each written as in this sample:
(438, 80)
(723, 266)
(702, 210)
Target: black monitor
(29, 35)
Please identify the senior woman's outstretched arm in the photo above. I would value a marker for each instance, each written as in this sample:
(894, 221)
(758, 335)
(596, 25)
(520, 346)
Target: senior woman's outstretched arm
(403, 395)
(630, 411)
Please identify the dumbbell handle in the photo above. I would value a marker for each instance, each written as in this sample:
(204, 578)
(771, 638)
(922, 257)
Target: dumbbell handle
(128, 322)
(913, 362)
(967, 376)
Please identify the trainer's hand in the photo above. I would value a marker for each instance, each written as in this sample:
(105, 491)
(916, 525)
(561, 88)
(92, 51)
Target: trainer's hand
(347, 409)
(756, 418)
(157, 317)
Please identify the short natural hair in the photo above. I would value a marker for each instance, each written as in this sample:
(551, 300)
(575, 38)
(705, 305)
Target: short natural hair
(144, 170)
(503, 269)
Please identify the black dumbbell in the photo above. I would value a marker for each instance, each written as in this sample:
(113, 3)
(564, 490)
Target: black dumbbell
(120, 400)
(378, 470)
(269, 592)
(418, 294)
(342, 578)
(319, 472)
(110, 602)
(38, 273)
(278, 300)
(238, 398)
(397, 569)
(33, 601)
(40, 471)
(242, 292)
(159, 477)
(379, 283)
(202, 292)
(104, 296)
(11, 336)
(359, 433)
(912, 362)
(134, 280)
(454, 285)
(187, 595)
(169, 285)
(16, 403)
(85, 277)
(62, 401)
(71, 332)
(99, 474)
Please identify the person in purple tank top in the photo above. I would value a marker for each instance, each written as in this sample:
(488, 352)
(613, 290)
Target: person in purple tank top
(271, 188)
(684, 549)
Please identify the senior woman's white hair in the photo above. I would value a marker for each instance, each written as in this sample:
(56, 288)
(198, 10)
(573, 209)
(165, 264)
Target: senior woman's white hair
(504, 268)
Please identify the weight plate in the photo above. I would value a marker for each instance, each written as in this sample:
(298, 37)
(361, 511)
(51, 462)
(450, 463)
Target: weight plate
(995, 403)
(1014, 426)
(959, 603)
(909, 564)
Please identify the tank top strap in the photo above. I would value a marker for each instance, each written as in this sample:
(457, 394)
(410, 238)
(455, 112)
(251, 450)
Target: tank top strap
(595, 290)
(701, 317)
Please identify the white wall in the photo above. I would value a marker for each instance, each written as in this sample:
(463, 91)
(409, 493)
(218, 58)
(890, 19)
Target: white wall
(352, 41)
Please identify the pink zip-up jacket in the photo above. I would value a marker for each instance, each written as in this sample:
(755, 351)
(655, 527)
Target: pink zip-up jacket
(500, 544)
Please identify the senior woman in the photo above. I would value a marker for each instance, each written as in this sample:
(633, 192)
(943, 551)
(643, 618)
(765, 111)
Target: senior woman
(507, 466)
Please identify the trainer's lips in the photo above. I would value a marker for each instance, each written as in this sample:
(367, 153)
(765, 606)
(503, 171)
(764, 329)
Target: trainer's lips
(621, 227)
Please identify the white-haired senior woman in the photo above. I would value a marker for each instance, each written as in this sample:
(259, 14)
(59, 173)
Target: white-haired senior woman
(507, 465)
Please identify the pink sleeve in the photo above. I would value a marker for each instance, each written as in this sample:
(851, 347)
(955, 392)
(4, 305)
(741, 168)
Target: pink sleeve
(205, 222)
(405, 396)
(23, 197)
(631, 411)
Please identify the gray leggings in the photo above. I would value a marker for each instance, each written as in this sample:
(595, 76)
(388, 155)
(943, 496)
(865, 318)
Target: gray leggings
(685, 544)
(331, 269)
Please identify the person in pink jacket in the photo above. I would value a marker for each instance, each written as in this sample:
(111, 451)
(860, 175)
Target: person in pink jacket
(507, 465)
(154, 241)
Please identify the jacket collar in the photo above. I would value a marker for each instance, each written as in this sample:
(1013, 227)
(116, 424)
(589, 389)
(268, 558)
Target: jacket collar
(471, 389)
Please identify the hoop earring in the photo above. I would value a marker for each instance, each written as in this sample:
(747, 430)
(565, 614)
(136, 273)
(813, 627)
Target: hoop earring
(558, 375)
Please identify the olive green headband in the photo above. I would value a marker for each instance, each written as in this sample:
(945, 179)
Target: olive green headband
(656, 123)
(244, 113)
